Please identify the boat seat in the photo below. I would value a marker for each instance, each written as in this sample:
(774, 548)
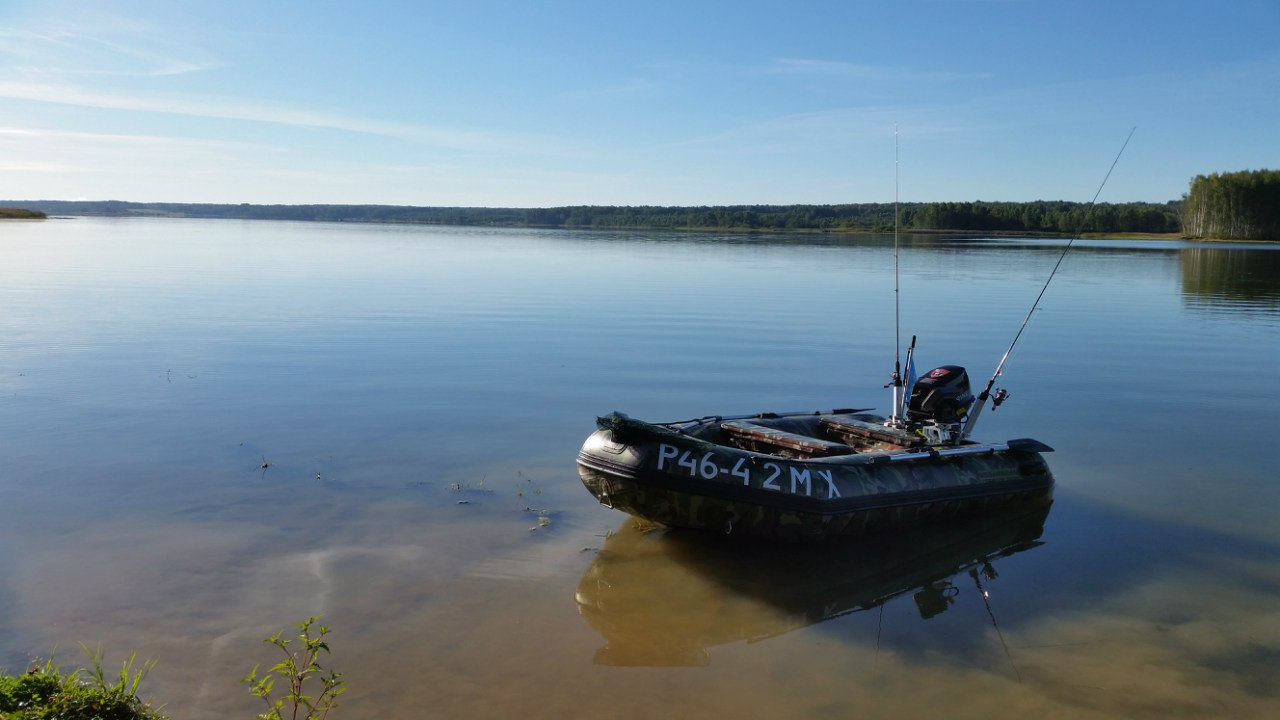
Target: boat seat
(770, 440)
(857, 432)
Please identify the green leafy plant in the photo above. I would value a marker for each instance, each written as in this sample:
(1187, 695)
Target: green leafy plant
(300, 671)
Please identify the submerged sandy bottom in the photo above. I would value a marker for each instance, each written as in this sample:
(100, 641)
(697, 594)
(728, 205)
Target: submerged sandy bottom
(442, 609)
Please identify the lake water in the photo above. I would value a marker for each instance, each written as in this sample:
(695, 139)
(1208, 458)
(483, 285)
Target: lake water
(210, 430)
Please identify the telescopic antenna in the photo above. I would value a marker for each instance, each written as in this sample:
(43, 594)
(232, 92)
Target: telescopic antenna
(897, 337)
(896, 379)
(1000, 394)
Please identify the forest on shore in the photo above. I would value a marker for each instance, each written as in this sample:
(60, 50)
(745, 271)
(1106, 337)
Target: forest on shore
(1230, 206)
(12, 213)
(1244, 205)
(1030, 217)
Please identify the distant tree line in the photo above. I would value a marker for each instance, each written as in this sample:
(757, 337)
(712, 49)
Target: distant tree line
(1008, 217)
(1234, 206)
(20, 214)
(1057, 217)
(865, 216)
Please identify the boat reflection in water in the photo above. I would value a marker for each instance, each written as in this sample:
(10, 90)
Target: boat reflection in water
(663, 597)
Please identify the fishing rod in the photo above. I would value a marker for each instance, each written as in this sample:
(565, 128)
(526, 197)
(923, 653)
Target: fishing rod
(1000, 394)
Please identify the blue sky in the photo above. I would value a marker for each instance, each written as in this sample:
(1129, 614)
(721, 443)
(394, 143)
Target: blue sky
(553, 102)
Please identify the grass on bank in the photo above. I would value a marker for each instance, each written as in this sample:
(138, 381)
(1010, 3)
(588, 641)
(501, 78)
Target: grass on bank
(44, 692)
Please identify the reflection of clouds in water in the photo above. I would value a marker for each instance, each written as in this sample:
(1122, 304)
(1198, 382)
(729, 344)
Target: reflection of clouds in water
(291, 587)
(306, 576)
(199, 600)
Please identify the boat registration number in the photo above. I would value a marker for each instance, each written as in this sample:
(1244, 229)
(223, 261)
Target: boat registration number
(767, 475)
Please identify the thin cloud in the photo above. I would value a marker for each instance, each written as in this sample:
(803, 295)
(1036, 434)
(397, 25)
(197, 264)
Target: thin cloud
(44, 134)
(47, 59)
(34, 167)
(60, 150)
(234, 110)
(59, 52)
(152, 63)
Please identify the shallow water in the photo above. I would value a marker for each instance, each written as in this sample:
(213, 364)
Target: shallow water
(212, 429)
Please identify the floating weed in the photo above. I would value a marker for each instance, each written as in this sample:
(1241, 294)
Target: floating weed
(525, 488)
(523, 491)
(471, 487)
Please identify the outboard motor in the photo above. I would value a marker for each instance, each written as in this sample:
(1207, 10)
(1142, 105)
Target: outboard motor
(941, 395)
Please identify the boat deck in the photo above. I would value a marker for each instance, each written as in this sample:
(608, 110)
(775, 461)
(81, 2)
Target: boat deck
(809, 436)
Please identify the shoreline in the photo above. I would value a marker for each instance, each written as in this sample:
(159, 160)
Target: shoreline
(974, 234)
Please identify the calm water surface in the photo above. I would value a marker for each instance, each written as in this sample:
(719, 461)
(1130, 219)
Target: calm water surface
(212, 429)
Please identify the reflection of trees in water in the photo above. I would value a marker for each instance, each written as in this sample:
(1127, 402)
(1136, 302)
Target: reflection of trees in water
(1233, 276)
(665, 597)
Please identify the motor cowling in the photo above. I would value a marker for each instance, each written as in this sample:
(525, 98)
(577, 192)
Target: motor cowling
(942, 395)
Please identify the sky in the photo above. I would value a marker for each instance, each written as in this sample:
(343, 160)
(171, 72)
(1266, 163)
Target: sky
(562, 102)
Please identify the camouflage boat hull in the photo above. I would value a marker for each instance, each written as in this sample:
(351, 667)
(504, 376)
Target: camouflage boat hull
(698, 475)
